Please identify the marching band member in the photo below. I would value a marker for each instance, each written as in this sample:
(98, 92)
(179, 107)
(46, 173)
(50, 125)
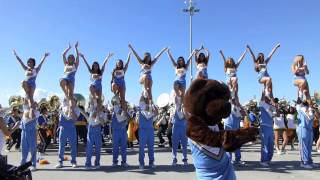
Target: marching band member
(31, 72)
(68, 132)
(260, 64)
(13, 119)
(146, 114)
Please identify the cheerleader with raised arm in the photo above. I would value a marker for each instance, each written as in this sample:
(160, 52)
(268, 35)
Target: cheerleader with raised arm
(31, 72)
(202, 60)
(231, 68)
(118, 84)
(300, 70)
(181, 68)
(147, 64)
(260, 64)
(96, 80)
(71, 65)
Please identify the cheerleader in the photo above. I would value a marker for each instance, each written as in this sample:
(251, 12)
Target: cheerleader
(145, 75)
(202, 62)
(291, 126)
(71, 64)
(261, 67)
(96, 79)
(305, 134)
(232, 123)
(31, 72)
(266, 130)
(179, 135)
(29, 134)
(181, 68)
(118, 85)
(67, 131)
(230, 68)
(94, 137)
(300, 70)
(146, 132)
(119, 135)
(279, 127)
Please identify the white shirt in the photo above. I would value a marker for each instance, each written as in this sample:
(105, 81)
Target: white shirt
(290, 119)
(278, 122)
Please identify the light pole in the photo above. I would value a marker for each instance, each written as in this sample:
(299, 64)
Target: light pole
(191, 10)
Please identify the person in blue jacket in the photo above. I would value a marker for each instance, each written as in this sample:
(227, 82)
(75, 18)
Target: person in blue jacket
(305, 134)
(179, 135)
(119, 135)
(146, 115)
(233, 123)
(29, 134)
(68, 132)
(267, 111)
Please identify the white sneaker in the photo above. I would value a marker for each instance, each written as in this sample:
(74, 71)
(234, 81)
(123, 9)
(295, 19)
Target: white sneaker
(32, 168)
(240, 163)
(306, 166)
(264, 164)
(318, 150)
(74, 165)
(59, 165)
(279, 152)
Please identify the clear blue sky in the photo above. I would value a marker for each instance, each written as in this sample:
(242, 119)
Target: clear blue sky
(35, 26)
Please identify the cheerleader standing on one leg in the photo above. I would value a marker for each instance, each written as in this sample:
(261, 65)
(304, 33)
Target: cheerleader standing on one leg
(96, 80)
(266, 130)
(71, 65)
(305, 134)
(145, 75)
(202, 63)
(146, 133)
(179, 135)
(118, 85)
(119, 135)
(260, 64)
(230, 68)
(68, 132)
(31, 72)
(181, 68)
(29, 134)
(232, 123)
(300, 69)
(94, 137)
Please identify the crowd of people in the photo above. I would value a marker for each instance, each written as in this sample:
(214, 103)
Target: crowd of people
(34, 127)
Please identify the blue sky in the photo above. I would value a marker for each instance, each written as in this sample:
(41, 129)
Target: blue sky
(101, 26)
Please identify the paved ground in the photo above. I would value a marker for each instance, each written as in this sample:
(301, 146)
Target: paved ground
(283, 167)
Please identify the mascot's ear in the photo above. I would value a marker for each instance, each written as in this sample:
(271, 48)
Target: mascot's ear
(218, 109)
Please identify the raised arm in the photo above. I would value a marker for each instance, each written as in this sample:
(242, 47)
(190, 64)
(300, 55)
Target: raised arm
(85, 62)
(64, 54)
(190, 58)
(208, 53)
(252, 54)
(77, 55)
(158, 56)
(19, 60)
(127, 63)
(135, 54)
(241, 58)
(272, 52)
(222, 55)
(171, 58)
(105, 61)
(42, 61)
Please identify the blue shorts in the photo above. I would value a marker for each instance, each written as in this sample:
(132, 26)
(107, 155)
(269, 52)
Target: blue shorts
(119, 82)
(228, 78)
(262, 74)
(97, 85)
(180, 82)
(69, 78)
(148, 75)
(203, 73)
(31, 82)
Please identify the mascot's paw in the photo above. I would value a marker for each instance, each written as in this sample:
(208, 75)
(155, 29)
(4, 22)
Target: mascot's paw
(233, 140)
